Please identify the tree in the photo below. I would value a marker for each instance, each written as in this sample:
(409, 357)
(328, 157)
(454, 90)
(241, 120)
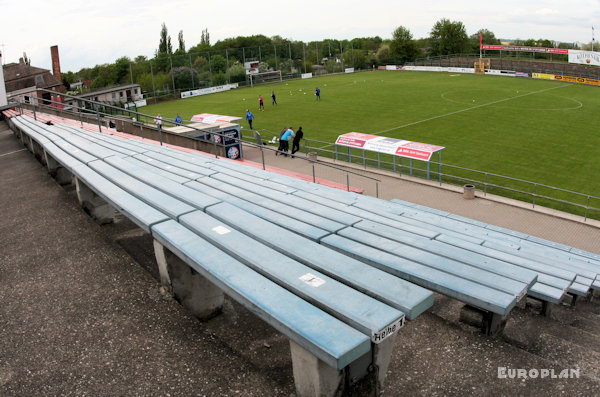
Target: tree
(205, 37)
(402, 46)
(488, 37)
(164, 45)
(218, 64)
(123, 70)
(383, 53)
(181, 41)
(448, 37)
(185, 78)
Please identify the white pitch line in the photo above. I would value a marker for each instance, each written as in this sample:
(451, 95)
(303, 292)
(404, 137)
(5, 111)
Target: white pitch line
(467, 109)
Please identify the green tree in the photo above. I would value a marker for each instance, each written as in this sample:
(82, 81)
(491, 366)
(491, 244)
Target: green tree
(183, 77)
(164, 45)
(403, 47)
(181, 41)
(448, 37)
(218, 64)
(122, 70)
(205, 38)
(383, 53)
(201, 64)
(488, 38)
(237, 72)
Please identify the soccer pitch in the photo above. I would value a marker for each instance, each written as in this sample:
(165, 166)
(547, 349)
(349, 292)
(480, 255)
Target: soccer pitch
(537, 130)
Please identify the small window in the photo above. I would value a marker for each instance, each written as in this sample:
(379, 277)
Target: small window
(120, 94)
(114, 95)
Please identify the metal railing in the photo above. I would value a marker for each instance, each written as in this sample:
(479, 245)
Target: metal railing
(320, 170)
(585, 205)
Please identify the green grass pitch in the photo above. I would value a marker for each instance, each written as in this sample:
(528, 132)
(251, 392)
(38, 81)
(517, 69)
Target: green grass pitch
(542, 131)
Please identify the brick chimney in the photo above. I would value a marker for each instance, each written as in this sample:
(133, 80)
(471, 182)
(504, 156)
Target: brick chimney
(55, 62)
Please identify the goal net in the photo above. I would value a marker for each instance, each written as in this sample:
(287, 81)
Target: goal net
(265, 77)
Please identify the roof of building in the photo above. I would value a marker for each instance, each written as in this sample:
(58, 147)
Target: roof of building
(19, 76)
(101, 91)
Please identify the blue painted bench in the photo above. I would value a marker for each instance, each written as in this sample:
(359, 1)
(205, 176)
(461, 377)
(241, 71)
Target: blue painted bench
(351, 341)
(315, 331)
(511, 285)
(396, 292)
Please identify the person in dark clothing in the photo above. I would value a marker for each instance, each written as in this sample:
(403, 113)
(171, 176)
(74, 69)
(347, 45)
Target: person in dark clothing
(273, 97)
(280, 148)
(296, 141)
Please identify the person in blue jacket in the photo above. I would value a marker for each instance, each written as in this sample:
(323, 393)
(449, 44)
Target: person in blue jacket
(318, 93)
(249, 117)
(285, 140)
(178, 119)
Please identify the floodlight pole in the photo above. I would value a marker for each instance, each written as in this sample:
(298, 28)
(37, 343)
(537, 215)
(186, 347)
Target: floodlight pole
(304, 56)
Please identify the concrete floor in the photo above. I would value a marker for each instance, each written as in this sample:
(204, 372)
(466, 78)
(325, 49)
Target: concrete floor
(81, 312)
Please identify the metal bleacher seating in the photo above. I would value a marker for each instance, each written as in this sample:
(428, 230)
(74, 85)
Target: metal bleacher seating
(335, 271)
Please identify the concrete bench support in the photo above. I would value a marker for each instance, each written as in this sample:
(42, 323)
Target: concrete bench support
(195, 292)
(491, 324)
(312, 376)
(38, 152)
(93, 204)
(315, 378)
(545, 306)
(58, 172)
(573, 298)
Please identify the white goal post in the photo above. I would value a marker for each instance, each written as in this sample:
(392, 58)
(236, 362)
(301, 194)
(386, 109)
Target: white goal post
(265, 77)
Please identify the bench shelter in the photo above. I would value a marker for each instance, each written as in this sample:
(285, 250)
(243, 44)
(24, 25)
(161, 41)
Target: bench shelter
(392, 146)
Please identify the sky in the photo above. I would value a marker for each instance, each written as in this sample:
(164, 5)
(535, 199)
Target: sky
(92, 33)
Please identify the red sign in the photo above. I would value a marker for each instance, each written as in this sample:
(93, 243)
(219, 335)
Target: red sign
(354, 139)
(399, 147)
(522, 48)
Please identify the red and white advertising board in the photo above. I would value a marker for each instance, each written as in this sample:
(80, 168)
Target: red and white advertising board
(208, 118)
(398, 147)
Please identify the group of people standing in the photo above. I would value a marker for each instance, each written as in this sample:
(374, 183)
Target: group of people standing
(284, 140)
(287, 133)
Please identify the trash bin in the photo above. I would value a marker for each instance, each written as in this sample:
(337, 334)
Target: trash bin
(469, 192)
(312, 156)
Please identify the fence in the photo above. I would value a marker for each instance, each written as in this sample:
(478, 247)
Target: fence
(96, 114)
(585, 205)
(520, 62)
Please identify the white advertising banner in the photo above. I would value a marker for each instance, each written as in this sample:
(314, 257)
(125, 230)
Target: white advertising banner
(349, 70)
(209, 90)
(381, 144)
(307, 75)
(461, 70)
(136, 104)
(584, 57)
